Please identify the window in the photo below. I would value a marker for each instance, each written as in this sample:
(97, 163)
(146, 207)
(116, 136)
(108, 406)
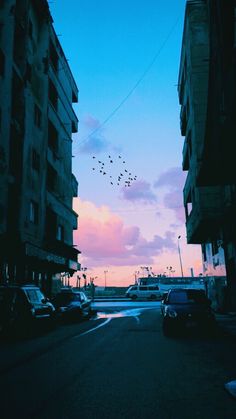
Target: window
(2, 63)
(34, 210)
(53, 56)
(214, 247)
(73, 127)
(37, 116)
(60, 232)
(204, 255)
(52, 94)
(52, 137)
(35, 160)
(51, 224)
(51, 178)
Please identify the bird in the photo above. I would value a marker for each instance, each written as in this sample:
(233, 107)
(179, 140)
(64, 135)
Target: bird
(111, 183)
(119, 157)
(93, 168)
(104, 173)
(123, 161)
(111, 161)
(126, 171)
(94, 157)
(99, 161)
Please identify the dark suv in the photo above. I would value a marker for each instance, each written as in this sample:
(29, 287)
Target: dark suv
(186, 308)
(72, 305)
(22, 307)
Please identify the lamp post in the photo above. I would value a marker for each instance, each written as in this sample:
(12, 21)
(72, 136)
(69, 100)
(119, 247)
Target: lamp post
(105, 274)
(180, 260)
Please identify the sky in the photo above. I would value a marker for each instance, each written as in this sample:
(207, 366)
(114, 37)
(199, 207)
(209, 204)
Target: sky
(128, 150)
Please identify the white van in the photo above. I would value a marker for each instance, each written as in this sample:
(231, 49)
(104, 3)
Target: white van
(151, 292)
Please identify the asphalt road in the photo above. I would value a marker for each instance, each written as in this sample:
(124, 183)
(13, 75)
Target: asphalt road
(118, 365)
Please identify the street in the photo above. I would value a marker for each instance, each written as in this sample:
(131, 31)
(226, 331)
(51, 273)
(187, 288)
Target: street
(118, 364)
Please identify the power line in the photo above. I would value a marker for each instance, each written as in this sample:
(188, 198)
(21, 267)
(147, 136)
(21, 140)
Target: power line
(115, 110)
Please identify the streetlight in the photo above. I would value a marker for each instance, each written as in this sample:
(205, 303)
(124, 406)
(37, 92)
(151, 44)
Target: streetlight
(180, 260)
(105, 274)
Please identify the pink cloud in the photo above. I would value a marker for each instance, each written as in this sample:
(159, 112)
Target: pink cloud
(104, 239)
(140, 191)
(173, 178)
(90, 122)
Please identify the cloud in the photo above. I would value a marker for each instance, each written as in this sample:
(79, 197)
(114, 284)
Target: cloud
(94, 145)
(140, 191)
(104, 239)
(90, 122)
(173, 179)
(95, 142)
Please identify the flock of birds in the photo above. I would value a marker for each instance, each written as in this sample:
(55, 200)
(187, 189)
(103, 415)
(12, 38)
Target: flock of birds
(122, 177)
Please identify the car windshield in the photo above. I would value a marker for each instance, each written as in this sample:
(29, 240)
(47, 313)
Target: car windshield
(62, 299)
(35, 295)
(187, 297)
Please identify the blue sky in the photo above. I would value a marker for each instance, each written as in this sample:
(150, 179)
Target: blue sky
(109, 46)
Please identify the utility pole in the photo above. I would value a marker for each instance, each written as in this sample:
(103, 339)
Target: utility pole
(180, 260)
(105, 274)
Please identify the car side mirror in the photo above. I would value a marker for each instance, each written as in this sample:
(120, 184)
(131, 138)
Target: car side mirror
(45, 300)
(164, 298)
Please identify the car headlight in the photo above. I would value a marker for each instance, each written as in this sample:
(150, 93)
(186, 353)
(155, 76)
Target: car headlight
(171, 313)
(32, 311)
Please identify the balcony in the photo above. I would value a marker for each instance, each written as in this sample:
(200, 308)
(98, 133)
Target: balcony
(205, 219)
(185, 154)
(74, 183)
(183, 120)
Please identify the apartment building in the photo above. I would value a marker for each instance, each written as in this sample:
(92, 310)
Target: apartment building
(207, 95)
(37, 120)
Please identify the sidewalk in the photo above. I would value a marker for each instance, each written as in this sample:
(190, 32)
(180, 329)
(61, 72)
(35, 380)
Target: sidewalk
(227, 322)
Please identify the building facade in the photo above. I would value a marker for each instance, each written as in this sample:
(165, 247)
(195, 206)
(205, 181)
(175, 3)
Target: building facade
(37, 120)
(207, 95)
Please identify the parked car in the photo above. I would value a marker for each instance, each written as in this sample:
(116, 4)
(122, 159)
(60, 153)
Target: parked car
(186, 308)
(72, 305)
(21, 307)
(151, 292)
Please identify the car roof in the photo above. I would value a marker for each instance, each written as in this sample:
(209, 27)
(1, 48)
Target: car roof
(15, 286)
(186, 289)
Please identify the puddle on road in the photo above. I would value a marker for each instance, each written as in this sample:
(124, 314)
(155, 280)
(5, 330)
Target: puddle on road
(135, 312)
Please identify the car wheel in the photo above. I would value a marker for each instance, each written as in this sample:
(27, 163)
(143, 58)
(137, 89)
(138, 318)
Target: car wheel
(134, 297)
(153, 297)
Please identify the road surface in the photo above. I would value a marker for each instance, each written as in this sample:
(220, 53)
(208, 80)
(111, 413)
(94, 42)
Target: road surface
(117, 365)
